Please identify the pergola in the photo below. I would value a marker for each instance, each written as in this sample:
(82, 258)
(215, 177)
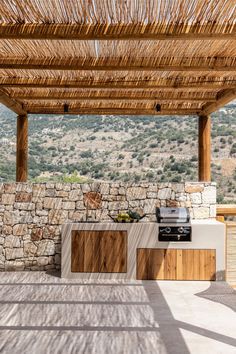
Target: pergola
(124, 57)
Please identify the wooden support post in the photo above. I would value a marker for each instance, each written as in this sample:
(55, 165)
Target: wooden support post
(22, 149)
(204, 148)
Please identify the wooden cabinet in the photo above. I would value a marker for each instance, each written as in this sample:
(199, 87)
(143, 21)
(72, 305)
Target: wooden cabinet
(176, 264)
(99, 251)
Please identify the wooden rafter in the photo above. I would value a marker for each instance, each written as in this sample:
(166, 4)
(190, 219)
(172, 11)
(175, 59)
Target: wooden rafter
(11, 103)
(222, 99)
(109, 111)
(108, 84)
(113, 32)
(77, 98)
(72, 66)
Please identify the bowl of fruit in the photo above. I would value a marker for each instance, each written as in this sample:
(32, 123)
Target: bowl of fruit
(129, 216)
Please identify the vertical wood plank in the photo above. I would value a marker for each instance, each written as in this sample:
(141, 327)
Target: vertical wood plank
(179, 264)
(142, 264)
(170, 264)
(188, 264)
(196, 265)
(157, 270)
(77, 251)
(22, 149)
(202, 264)
(209, 264)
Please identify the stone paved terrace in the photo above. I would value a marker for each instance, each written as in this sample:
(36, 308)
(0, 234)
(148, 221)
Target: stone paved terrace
(42, 313)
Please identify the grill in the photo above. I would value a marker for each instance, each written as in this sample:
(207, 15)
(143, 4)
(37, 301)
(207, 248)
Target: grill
(174, 224)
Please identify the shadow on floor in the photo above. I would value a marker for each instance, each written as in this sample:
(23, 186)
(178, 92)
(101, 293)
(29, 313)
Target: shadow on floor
(96, 318)
(222, 293)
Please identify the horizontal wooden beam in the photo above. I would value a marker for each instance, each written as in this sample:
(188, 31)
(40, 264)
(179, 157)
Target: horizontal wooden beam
(72, 66)
(223, 98)
(115, 85)
(80, 98)
(109, 111)
(11, 103)
(226, 209)
(100, 31)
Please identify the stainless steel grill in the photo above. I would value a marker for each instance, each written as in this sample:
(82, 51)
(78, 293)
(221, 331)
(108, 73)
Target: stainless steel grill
(174, 224)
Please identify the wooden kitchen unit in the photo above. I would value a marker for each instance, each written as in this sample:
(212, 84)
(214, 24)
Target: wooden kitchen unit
(176, 264)
(99, 251)
(132, 251)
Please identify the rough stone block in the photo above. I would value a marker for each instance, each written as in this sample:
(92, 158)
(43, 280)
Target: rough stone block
(49, 232)
(11, 241)
(29, 249)
(164, 193)
(46, 248)
(80, 205)
(118, 206)
(13, 253)
(196, 198)
(104, 188)
(20, 229)
(52, 203)
(23, 197)
(57, 216)
(14, 265)
(8, 199)
(24, 187)
(134, 193)
(7, 230)
(209, 195)
(68, 205)
(150, 206)
(10, 188)
(193, 188)
(36, 234)
(42, 261)
(24, 206)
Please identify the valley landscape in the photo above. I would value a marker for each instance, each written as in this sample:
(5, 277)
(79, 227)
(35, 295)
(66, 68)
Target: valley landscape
(113, 148)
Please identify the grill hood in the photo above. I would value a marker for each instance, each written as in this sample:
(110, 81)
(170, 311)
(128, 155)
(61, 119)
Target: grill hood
(172, 215)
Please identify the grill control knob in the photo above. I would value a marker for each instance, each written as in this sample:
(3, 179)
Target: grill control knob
(181, 229)
(167, 230)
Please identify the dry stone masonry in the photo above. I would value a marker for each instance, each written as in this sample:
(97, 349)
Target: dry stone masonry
(31, 215)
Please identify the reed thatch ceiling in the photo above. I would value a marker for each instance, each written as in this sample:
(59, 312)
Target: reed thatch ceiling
(117, 56)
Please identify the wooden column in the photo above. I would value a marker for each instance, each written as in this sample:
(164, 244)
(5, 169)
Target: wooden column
(22, 149)
(204, 148)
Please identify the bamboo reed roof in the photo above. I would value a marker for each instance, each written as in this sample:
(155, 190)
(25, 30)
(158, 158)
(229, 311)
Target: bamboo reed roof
(117, 56)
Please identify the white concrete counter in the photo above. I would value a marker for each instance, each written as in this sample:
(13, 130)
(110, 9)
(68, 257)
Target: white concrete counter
(206, 234)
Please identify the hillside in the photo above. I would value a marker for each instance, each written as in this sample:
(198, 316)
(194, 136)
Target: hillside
(121, 148)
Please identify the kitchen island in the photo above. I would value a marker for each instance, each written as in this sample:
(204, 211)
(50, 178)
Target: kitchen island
(132, 251)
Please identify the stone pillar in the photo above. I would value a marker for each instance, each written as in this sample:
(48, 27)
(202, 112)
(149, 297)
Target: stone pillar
(204, 148)
(22, 149)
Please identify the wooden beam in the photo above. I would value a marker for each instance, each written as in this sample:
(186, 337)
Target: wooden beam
(22, 149)
(204, 148)
(116, 85)
(222, 99)
(134, 31)
(226, 209)
(11, 103)
(83, 66)
(79, 98)
(109, 111)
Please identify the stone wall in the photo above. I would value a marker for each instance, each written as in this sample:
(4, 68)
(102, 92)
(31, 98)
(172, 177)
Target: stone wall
(31, 215)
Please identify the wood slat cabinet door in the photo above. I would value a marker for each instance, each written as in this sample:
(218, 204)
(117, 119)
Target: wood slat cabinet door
(176, 264)
(99, 251)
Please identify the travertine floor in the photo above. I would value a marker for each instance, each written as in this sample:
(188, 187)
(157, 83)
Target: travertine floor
(41, 313)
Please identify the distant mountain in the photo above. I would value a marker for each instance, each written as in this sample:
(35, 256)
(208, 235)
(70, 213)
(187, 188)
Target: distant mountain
(121, 148)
